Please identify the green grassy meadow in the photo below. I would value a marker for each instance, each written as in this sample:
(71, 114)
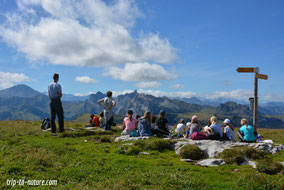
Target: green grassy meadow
(82, 159)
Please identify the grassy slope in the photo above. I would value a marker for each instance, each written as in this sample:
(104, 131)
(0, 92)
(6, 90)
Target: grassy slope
(276, 116)
(28, 153)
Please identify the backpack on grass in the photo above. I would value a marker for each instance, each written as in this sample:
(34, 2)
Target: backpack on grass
(198, 136)
(96, 121)
(45, 124)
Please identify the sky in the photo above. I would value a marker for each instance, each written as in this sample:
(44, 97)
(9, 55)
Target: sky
(169, 48)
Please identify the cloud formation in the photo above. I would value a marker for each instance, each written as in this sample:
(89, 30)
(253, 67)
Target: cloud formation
(239, 94)
(8, 79)
(82, 33)
(139, 72)
(177, 86)
(85, 80)
(158, 93)
(151, 84)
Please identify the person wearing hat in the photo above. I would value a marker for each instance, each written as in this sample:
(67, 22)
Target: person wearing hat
(162, 124)
(194, 126)
(229, 130)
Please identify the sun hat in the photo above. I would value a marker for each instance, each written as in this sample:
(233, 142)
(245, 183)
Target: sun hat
(188, 124)
(194, 118)
(162, 112)
(227, 121)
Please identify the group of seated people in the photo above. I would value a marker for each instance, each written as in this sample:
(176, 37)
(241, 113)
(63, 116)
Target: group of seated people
(96, 121)
(151, 126)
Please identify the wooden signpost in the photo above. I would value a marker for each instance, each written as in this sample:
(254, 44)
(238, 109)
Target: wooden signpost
(256, 77)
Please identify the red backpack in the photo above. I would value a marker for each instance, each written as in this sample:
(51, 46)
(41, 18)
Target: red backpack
(198, 136)
(96, 121)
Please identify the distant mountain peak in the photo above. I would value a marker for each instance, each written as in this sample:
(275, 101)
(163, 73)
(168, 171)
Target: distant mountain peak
(20, 90)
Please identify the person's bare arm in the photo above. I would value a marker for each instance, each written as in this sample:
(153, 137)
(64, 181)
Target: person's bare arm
(113, 104)
(167, 127)
(100, 103)
(124, 124)
(209, 130)
(136, 125)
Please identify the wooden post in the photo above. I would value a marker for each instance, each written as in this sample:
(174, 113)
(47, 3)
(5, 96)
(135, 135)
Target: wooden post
(256, 77)
(255, 107)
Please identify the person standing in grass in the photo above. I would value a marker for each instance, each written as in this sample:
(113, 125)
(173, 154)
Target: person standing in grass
(129, 123)
(246, 133)
(108, 103)
(55, 94)
(229, 130)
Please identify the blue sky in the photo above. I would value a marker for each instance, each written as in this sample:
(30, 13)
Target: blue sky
(175, 48)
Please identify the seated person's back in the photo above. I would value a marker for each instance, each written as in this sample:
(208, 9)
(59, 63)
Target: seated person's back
(248, 133)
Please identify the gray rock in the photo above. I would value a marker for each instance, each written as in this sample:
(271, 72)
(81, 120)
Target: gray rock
(251, 163)
(145, 153)
(211, 162)
(282, 163)
(186, 160)
(212, 148)
(127, 138)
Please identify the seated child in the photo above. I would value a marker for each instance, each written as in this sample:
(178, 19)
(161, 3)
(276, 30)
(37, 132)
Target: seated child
(180, 130)
(229, 130)
(130, 124)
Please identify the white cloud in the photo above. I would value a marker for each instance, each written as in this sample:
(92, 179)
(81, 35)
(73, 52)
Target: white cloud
(239, 94)
(158, 93)
(140, 72)
(8, 79)
(85, 80)
(151, 84)
(177, 86)
(227, 83)
(79, 94)
(82, 33)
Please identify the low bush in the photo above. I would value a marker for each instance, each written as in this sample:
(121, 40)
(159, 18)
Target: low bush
(132, 151)
(155, 144)
(104, 139)
(269, 166)
(191, 151)
(254, 154)
(232, 156)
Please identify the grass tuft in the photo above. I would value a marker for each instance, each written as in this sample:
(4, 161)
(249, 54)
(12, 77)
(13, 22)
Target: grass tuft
(269, 166)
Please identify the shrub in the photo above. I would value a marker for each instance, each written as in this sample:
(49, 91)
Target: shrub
(132, 151)
(191, 151)
(269, 166)
(232, 156)
(120, 150)
(105, 139)
(251, 153)
(155, 144)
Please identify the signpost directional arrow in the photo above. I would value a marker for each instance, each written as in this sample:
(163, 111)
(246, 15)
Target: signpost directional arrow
(254, 70)
(261, 76)
(246, 69)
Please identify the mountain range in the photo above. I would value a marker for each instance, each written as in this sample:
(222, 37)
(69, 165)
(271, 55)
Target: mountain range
(24, 103)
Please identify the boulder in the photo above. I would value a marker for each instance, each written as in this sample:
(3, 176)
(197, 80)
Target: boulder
(212, 148)
(128, 138)
(211, 162)
(187, 160)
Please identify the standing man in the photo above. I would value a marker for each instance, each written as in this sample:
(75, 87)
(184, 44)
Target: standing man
(55, 93)
(107, 103)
